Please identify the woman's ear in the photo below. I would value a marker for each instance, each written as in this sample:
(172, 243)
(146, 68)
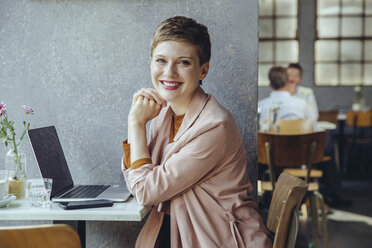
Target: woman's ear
(204, 70)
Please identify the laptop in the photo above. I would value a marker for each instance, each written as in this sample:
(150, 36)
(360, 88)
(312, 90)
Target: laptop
(52, 164)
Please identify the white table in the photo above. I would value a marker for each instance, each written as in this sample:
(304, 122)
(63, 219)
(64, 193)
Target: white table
(325, 125)
(341, 117)
(127, 211)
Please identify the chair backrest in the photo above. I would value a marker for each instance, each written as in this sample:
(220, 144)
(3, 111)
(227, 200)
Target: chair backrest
(295, 126)
(359, 119)
(287, 197)
(51, 236)
(290, 150)
(329, 115)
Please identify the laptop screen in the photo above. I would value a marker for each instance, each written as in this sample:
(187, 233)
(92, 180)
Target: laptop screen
(50, 158)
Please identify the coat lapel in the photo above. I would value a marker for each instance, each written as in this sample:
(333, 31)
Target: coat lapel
(197, 104)
(160, 142)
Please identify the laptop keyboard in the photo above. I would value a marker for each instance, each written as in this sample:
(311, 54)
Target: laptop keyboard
(86, 191)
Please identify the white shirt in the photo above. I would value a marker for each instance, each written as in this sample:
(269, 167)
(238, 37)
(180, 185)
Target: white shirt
(290, 107)
(307, 94)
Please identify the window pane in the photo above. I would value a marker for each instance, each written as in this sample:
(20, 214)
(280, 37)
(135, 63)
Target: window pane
(367, 74)
(265, 7)
(266, 28)
(351, 26)
(368, 9)
(285, 63)
(351, 50)
(351, 74)
(266, 51)
(286, 27)
(286, 7)
(328, 7)
(368, 27)
(287, 51)
(326, 74)
(263, 72)
(352, 7)
(326, 50)
(328, 27)
(368, 50)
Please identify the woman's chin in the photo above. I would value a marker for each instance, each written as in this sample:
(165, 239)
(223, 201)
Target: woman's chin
(167, 96)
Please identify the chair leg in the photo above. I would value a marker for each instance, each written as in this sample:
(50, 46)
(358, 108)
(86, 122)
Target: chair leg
(324, 219)
(337, 157)
(346, 157)
(314, 219)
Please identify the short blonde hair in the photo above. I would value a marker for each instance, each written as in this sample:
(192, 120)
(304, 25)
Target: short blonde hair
(184, 29)
(278, 77)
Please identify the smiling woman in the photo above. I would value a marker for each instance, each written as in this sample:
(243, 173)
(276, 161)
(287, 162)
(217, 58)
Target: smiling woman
(192, 169)
(176, 73)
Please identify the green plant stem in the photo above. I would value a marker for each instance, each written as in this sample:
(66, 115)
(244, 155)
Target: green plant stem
(25, 128)
(5, 124)
(15, 150)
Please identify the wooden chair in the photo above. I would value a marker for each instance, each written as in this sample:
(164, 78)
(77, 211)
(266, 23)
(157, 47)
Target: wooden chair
(295, 126)
(51, 236)
(329, 115)
(300, 126)
(276, 150)
(359, 119)
(283, 215)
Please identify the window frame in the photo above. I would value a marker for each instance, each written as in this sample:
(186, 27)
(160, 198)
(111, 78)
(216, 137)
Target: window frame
(275, 39)
(339, 39)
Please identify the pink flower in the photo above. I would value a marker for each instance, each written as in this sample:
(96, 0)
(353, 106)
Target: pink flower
(27, 109)
(2, 108)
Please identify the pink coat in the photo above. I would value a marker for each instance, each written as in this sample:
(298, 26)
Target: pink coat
(203, 175)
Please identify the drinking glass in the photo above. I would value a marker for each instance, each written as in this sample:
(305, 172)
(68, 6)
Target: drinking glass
(3, 183)
(48, 183)
(39, 190)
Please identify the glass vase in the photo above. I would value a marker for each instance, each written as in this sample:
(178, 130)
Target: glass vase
(16, 164)
(273, 124)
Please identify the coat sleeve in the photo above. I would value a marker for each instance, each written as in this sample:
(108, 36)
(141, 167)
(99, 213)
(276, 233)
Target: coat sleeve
(152, 184)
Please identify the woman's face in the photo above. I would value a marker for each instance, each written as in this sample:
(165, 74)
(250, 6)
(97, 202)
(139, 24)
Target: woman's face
(175, 73)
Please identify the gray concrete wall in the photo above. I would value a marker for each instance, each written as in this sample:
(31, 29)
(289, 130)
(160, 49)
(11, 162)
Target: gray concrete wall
(78, 62)
(327, 97)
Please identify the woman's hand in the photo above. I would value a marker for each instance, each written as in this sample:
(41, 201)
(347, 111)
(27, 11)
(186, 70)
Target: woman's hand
(152, 94)
(146, 105)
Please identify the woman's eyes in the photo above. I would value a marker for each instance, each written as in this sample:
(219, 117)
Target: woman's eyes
(185, 62)
(160, 60)
(182, 62)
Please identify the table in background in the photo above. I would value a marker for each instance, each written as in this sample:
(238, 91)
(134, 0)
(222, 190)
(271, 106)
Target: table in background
(325, 125)
(126, 211)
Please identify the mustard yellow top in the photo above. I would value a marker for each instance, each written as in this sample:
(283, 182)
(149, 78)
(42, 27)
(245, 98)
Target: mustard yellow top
(176, 123)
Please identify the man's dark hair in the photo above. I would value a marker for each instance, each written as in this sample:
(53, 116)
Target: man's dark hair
(277, 77)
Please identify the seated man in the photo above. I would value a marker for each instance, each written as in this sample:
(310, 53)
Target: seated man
(294, 79)
(288, 107)
(292, 107)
